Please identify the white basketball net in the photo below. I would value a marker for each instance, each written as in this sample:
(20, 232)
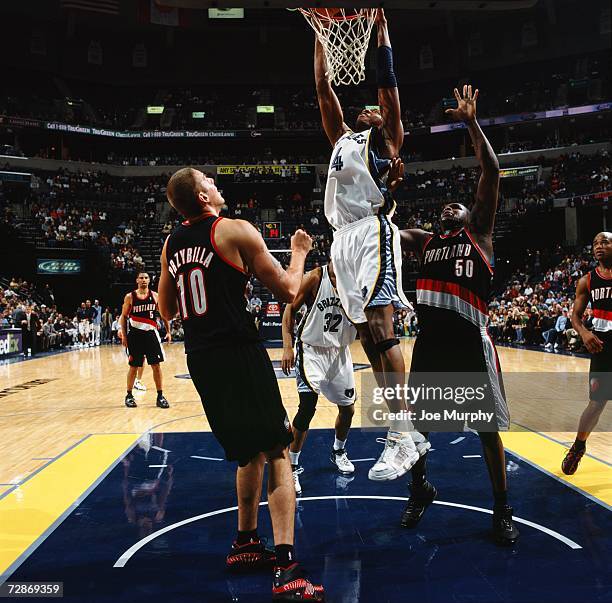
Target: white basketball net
(345, 38)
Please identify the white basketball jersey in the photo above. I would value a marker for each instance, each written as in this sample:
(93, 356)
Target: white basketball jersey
(352, 192)
(325, 323)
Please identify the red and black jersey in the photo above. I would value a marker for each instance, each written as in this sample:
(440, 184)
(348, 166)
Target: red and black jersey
(600, 296)
(143, 314)
(454, 283)
(210, 288)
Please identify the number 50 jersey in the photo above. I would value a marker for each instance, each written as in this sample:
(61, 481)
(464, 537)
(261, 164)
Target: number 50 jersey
(325, 324)
(454, 284)
(356, 185)
(210, 289)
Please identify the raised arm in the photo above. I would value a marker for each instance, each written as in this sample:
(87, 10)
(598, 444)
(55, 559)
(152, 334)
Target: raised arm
(482, 217)
(388, 94)
(591, 342)
(331, 111)
(285, 284)
(309, 284)
(414, 239)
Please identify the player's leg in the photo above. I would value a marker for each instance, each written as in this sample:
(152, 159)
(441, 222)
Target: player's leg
(600, 391)
(400, 453)
(371, 351)
(131, 377)
(504, 530)
(422, 493)
(138, 384)
(299, 427)
(158, 378)
(248, 552)
(155, 356)
(338, 386)
(289, 580)
(588, 421)
(378, 278)
(136, 350)
(307, 376)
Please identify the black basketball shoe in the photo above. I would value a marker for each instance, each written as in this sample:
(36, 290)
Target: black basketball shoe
(420, 499)
(162, 402)
(505, 533)
(572, 459)
(290, 585)
(250, 557)
(130, 402)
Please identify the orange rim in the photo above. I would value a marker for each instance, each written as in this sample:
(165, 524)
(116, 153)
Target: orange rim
(357, 15)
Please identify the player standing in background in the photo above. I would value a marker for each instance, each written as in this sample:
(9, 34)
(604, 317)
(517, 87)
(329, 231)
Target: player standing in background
(453, 290)
(96, 326)
(142, 339)
(206, 265)
(594, 288)
(323, 366)
(366, 249)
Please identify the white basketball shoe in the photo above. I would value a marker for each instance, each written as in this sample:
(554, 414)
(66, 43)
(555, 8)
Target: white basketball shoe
(420, 441)
(397, 458)
(341, 460)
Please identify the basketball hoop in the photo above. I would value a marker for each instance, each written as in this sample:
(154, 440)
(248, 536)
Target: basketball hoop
(344, 35)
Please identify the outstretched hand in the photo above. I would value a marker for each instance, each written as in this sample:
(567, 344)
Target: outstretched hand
(381, 19)
(395, 175)
(466, 105)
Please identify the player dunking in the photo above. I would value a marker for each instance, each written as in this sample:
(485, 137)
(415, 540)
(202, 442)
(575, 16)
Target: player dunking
(453, 288)
(140, 337)
(206, 265)
(323, 366)
(594, 288)
(366, 249)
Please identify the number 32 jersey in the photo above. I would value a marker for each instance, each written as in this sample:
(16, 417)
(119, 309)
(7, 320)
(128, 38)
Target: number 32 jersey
(325, 323)
(210, 290)
(356, 180)
(454, 284)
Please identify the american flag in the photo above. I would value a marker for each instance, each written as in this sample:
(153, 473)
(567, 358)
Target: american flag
(109, 7)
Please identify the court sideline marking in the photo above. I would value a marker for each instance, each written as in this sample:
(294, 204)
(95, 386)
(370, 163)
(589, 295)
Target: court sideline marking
(35, 508)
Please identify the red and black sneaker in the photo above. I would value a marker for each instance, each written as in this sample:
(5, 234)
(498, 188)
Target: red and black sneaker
(250, 557)
(290, 585)
(572, 459)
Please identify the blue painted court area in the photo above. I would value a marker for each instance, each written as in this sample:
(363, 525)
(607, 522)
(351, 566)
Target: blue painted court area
(347, 532)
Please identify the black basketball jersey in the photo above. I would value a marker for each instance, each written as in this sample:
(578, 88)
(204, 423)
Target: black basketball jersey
(600, 296)
(210, 289)
(143, 314)
(454, 283)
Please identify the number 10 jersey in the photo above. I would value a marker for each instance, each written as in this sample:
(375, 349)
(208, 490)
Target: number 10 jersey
(210, 289)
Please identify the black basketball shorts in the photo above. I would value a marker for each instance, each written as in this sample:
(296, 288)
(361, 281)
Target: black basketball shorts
(239, 392)
(600, 372)
(143, 343)
(460, 356)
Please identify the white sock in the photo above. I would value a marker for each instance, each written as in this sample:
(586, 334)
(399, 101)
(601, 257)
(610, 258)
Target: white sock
(339, 444)
(294, 457)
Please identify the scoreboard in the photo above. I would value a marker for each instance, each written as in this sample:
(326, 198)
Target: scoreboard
(272, 230)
